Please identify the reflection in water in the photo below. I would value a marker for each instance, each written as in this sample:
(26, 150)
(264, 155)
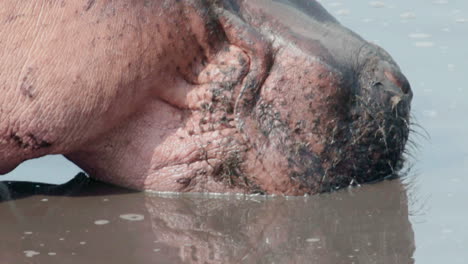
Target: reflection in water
(364, 225)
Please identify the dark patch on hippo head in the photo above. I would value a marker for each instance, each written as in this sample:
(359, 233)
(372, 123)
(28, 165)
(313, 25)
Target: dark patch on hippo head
(89, 5)
(332, 127)
(27, 83)
(29, 141)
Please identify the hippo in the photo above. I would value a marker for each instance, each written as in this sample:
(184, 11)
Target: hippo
(227, 96)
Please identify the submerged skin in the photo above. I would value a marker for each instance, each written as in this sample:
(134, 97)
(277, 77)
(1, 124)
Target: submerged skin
(205, 96)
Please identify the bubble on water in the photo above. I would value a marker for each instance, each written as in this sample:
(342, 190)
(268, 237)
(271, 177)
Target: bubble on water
(408, 15)
(132, 217)
(156, 250)
(44, 200)
(61, 239)
(377, 4)
(419, 35)
(83, 243)
(335, 4)
(446, 29)
(440, 2)
(430, 113)
(52, 254)
(427, 91)
(101, 222)
(461, 20)
(28, 233)
(447, 231)
(424, 44)
(105, 200)
(313, 240)
(343, 12)
(31, 253)
(453, 105)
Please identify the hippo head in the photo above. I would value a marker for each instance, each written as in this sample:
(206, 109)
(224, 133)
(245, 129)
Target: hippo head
(249, 96)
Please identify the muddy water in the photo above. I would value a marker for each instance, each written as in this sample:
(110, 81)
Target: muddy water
(371, 224)
(88, 222)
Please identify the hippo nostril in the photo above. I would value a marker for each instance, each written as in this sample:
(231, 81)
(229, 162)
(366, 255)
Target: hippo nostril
(399, 81)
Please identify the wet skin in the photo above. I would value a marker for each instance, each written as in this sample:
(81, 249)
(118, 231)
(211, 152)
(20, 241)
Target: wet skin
(219, 96)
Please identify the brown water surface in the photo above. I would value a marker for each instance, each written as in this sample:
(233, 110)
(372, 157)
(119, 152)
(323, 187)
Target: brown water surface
(89, 222)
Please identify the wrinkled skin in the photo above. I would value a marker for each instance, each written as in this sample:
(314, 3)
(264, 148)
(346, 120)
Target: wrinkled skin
(221, 96)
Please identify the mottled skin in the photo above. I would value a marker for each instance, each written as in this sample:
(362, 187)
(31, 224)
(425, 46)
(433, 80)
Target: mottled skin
(271, 96)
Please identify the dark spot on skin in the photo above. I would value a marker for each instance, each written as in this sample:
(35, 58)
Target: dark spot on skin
(184, 181)
(89, 5)
(29, 142)
(26, 86)
(12, 18)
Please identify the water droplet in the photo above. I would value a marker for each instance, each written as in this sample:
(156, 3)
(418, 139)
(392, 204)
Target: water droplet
(343, 12)
(424, 44)
(447, 231)
(430, 113)
(377, 4)
(101, 222)
(335, 4)
(419, 35)
(408, 15)
(132, 217)
(31, 253)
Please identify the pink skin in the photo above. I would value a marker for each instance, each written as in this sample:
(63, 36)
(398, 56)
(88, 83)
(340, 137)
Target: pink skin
(239, 96)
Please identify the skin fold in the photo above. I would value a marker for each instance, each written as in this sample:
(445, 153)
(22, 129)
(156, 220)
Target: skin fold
(264, 96)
